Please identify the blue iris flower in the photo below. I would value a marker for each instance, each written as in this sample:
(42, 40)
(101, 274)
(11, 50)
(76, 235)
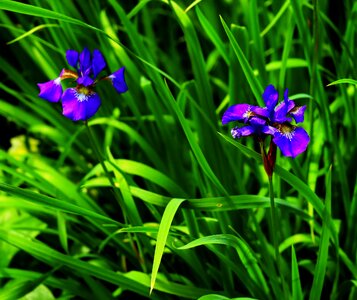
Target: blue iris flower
(81, 102)
(274, 119)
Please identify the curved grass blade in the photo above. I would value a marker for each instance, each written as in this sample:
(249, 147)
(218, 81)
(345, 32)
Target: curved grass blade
(21, 288)
(245, 254)
(54, 203)
(345, 80)
(54, 258)
(39, 27)
(164, 228)
(32, 10)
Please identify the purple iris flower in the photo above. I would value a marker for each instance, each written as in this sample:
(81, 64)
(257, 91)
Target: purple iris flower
(274, 119)
(81, 102)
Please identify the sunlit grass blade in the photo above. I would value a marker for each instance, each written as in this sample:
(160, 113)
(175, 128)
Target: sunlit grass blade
(164, 228)
(62, 230)
(32, 10)
(346, 80)
(53, 203)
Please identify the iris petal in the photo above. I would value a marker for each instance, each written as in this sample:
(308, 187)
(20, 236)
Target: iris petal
(118, 80)
(84, 61)
(280, 112)
(270, 97)
(85, 80)
(242, 131)
(245, 113)
(98, 62)
(78, 106)
(72, 58)
(298, 113)
(51, 90)
(235, 112)
(292, 143)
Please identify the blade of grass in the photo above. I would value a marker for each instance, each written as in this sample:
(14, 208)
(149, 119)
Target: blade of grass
(295, 277)
(164, 228)
(244, 252)
(321, 264)
(253, 82)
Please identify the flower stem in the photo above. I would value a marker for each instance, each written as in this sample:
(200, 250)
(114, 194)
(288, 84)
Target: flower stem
(273, 219)
(95, 147)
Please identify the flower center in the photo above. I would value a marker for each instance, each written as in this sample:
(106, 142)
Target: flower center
(82, 93)
(286, 130)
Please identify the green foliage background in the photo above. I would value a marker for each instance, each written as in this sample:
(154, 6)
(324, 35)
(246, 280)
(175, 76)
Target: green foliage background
(187, 213)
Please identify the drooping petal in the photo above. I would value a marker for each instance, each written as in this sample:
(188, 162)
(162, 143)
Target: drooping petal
(79, 106)
(291, 142)
(85, 80)
(118, 80)
(270, 97)
(235, 112)
(298, 113)
(237, 132)
(84, 61)
(98, 62)
(72, 58)
(51, 90)
(246, 113)
(268, 130)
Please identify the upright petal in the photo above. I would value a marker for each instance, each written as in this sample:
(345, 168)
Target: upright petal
(118, 80)
(286, 95)
(84, 61)
(51, 90)
(85, 80)
(72, 58)
(280, 112)
(270, 97)
(98, 62)
(237, 132)
(79, 106)
(291, 142)
(298, 113)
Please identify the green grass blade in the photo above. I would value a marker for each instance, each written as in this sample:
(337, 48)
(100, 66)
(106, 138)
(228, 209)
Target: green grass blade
(212, 34)
(244, 252)
(322, 258)
(54, 258)
(295, 277)
(32, 10)
(164, 228)
(62, 230)
(253, 82)
(53, 203)
(345, 80)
